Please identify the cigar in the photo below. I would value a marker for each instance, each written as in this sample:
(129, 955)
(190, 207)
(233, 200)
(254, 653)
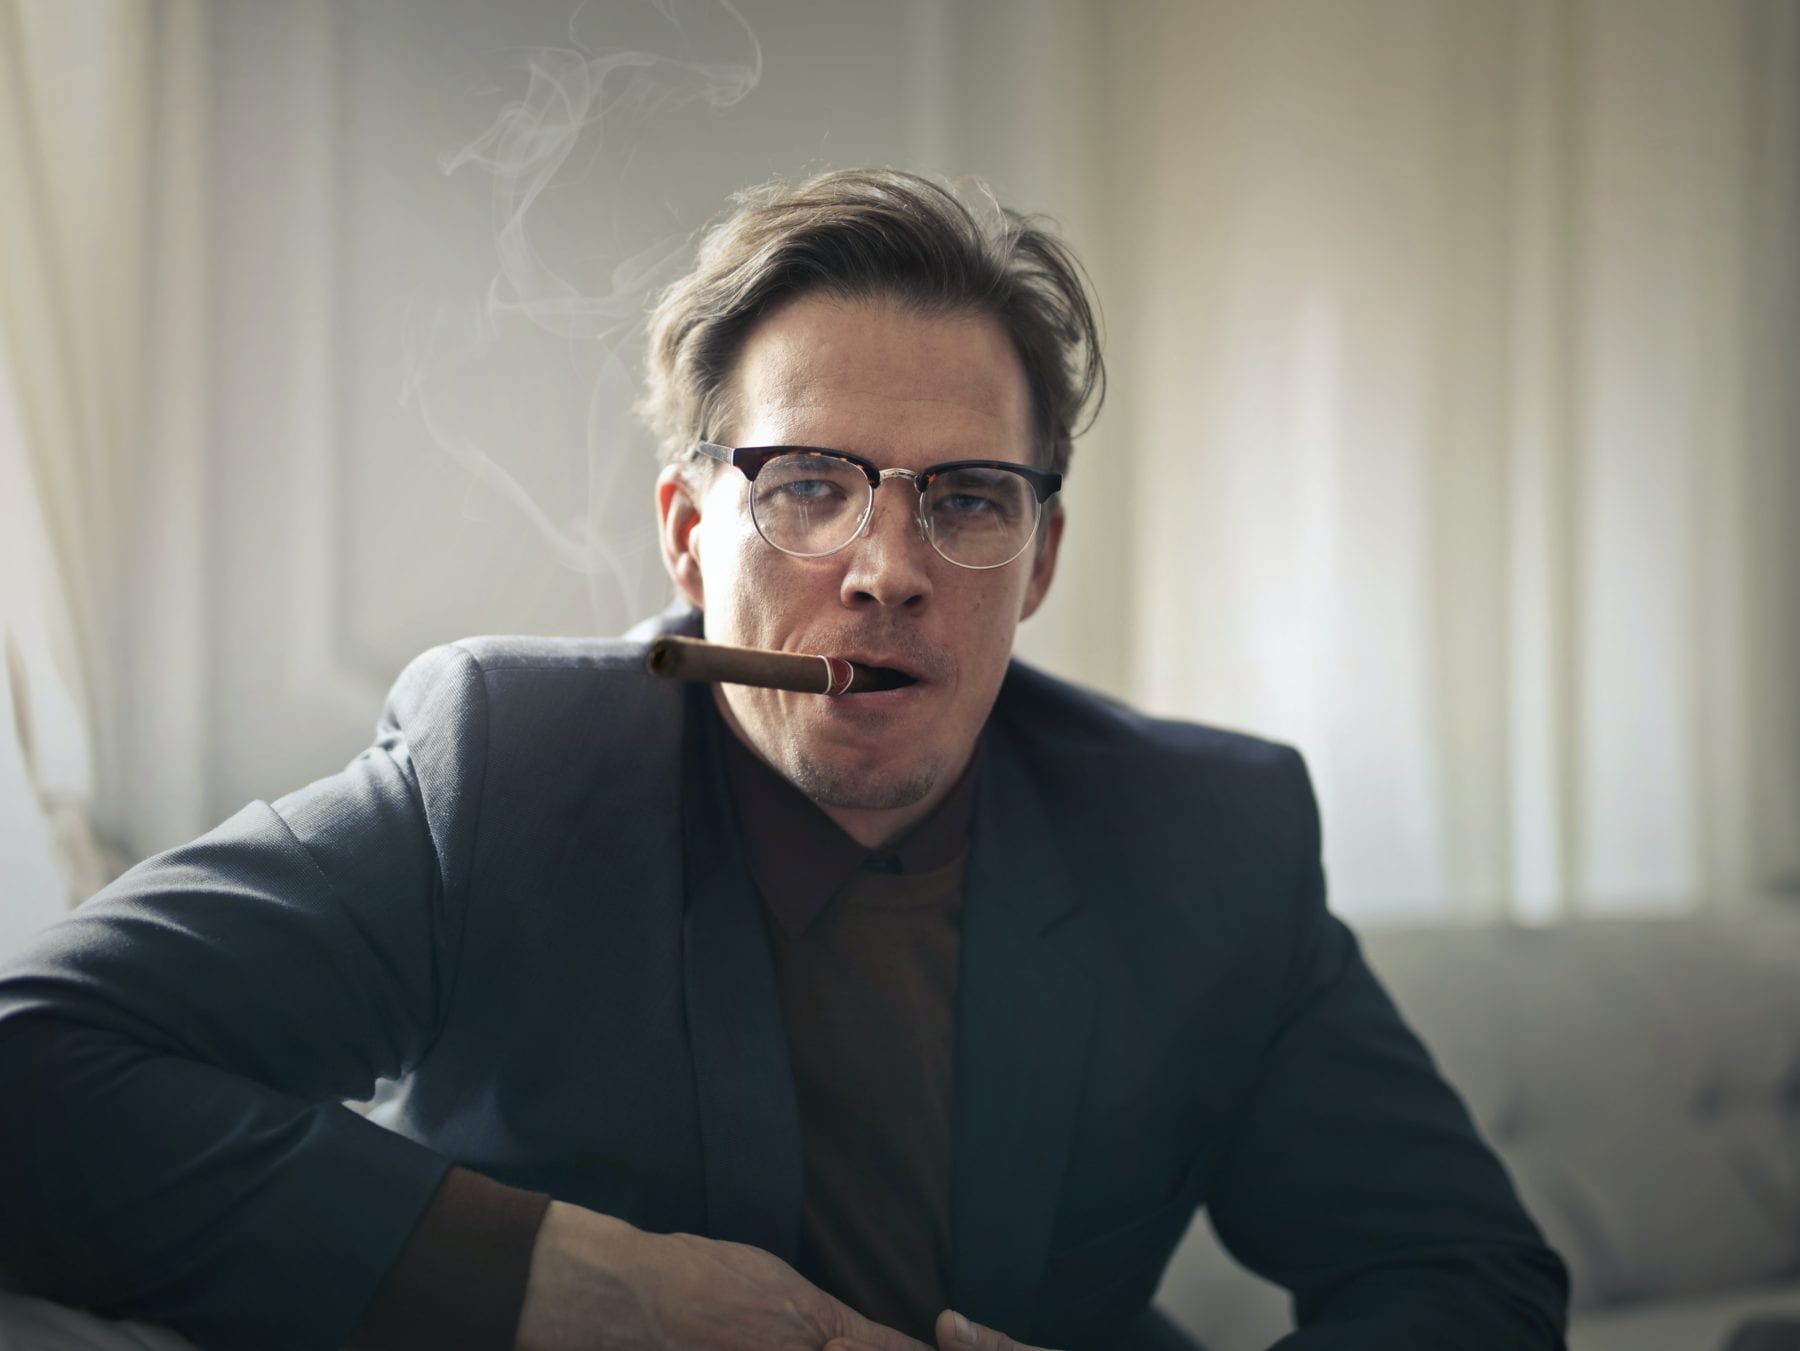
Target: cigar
(801, 672)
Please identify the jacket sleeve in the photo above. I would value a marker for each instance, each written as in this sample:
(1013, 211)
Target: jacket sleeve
(173, 1055)
(1356, 1178)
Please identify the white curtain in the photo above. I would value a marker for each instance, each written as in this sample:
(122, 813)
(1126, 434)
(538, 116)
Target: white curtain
(84, 89)
(1455, 354)
(42, 741)
(1453, 433)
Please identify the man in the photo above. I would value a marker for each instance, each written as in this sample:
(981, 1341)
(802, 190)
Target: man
(726, 1017)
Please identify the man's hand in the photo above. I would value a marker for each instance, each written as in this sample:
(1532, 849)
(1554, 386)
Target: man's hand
(954, 1333)
(599, 1284)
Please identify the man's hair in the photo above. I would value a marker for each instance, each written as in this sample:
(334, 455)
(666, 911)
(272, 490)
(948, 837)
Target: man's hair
(860, 234)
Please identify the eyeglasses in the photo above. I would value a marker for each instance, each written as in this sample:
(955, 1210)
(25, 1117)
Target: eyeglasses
(809, 502)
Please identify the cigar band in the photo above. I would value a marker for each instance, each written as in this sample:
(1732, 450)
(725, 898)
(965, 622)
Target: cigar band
(838, 674)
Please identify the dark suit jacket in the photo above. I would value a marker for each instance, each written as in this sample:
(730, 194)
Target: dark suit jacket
(523, 916)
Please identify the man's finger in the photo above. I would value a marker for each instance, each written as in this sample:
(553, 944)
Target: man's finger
(956, 1333)
(864, 1335)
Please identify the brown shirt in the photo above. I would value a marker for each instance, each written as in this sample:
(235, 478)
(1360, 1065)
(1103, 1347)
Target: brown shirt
(865, 945)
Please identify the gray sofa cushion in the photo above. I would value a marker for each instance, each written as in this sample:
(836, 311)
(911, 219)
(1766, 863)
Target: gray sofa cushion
(30, 1324)
(1693, 1323)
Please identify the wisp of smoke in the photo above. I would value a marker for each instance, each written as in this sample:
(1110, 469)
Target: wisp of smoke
(572, 95)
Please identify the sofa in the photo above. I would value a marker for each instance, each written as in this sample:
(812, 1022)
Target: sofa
(1641, 1080)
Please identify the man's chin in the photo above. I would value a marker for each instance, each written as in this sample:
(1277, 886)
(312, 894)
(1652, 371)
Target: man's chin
(833, 786)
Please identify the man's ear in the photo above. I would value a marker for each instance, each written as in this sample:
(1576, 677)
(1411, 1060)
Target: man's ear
(1043, 565)
(677, 513)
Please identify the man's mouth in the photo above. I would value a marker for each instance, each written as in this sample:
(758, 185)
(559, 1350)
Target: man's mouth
(879, 671)
(886, 677)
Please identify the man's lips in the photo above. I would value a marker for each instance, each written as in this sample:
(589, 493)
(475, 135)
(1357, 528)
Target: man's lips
(886, 676)
(882, 679)
(896, 666)
(902, 661)
(894, 671)
(863, 670)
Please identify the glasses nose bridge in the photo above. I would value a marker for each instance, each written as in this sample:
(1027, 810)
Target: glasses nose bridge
(918, 483)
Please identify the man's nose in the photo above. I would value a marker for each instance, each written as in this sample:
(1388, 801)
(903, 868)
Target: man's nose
(890, 562)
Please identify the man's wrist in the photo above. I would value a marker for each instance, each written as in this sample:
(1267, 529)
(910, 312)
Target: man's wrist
(461, 1279)
(584, 1273)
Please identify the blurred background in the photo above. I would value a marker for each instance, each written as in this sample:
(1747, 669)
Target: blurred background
(1453, 433)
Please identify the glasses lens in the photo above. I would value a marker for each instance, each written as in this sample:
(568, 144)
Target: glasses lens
(807, 503)
(982, 517)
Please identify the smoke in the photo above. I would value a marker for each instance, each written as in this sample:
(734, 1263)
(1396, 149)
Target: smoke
(541, 325)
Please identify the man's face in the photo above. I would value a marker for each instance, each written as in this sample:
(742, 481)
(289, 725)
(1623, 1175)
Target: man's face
(904, 390)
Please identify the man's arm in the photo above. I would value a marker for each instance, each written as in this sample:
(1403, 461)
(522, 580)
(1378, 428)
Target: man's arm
(1357, 1180)
(173, 1057)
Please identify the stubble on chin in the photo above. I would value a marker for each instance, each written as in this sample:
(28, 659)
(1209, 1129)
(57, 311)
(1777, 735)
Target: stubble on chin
(827, 781)
(834, 786)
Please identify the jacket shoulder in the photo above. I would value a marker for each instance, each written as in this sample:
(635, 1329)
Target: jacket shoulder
(493, 653)
(1103, 761)
(1061, 717)
(496, 729)
(455, 670)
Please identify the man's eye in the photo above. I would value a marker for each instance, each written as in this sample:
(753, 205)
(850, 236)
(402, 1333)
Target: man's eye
(970, 504)
(810, 490)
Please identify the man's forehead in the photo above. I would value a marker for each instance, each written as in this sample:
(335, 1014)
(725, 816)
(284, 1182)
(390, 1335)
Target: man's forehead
(821, 367)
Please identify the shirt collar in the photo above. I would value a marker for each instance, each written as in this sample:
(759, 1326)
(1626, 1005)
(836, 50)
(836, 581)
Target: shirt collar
(800, 858)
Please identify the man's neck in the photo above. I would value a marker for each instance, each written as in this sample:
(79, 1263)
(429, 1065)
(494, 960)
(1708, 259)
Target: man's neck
(876, 829)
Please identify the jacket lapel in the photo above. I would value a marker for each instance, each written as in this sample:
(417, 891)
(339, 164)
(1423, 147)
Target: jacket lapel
(749, 1120)
(1025, 1011)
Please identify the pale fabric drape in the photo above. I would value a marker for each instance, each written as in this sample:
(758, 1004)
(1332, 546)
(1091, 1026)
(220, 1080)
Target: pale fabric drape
(37, 882)
(81, 86)
(1454, 349)
(1452, 434)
